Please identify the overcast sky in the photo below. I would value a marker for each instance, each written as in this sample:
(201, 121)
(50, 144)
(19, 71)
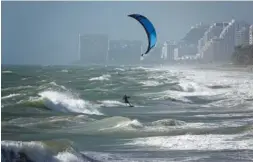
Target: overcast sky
(47, 32)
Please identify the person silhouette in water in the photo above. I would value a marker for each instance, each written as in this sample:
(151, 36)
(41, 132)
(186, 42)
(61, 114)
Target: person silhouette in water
(125, 98)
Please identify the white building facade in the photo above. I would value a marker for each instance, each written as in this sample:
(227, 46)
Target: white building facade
(242, 37)
(251, 35)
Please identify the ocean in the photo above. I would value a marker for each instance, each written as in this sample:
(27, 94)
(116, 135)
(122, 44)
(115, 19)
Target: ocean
(75, 114)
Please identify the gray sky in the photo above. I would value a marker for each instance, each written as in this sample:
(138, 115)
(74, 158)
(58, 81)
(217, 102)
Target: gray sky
(47, 32)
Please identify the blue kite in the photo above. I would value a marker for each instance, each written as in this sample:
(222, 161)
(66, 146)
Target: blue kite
(149, 28)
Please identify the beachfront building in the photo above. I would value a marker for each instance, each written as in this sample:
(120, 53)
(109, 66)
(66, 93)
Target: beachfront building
(126, 52)
(251, 35)
(242, 36)
(170, 51)
(218, 42)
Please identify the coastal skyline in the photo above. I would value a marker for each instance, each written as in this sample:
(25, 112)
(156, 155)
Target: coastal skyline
(47, 32)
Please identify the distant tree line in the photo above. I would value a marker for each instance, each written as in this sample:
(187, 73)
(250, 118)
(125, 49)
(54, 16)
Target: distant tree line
(243, 55)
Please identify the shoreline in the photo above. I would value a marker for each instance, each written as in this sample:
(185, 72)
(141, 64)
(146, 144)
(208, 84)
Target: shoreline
(225, 66)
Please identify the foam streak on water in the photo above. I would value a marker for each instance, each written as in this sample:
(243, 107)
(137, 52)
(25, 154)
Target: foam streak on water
(195, 142)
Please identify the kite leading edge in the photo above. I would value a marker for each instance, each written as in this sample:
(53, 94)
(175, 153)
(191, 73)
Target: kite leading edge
(149, 28)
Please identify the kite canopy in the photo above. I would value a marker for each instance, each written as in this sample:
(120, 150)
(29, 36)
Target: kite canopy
(149, 28)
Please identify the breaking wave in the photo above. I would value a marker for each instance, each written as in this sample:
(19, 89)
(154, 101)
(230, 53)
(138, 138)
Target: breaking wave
(62, 102)
(101, 78)
(119, 69)
(67, 103)
(151, 83)
(53, 121)
(123, 124)
(40, 151)
(64, 71)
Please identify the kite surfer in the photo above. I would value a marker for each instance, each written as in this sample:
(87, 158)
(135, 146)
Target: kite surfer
(125, 98)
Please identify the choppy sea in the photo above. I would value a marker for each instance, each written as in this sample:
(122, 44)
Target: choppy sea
(75, 114)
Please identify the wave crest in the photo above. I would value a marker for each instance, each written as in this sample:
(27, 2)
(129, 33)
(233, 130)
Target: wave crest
(101, 78)
(67, 103)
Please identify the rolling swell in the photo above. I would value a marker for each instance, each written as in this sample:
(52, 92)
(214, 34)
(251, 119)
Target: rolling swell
(40, 151)
(122, 126)
(119, 126)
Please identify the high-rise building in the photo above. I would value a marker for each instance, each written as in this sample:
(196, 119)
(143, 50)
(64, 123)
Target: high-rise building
(214, 31)
(176, 54)
(170, 51)
(187, 49)
(218, 42)
(242, 36)
(93, 48)
(164, 51)
(190, 43)
(241, 33)
(251, 35)
(240, 24)
(216, 49)
(124, 52)
(228, 41)
(201, 44)
(196, 32)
